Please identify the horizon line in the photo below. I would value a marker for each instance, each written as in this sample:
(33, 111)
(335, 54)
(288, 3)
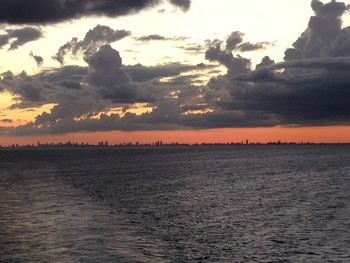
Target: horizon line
(106, 144)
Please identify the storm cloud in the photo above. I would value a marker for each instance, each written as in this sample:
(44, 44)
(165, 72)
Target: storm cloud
(324, 35)
(81, 94)
(225, 52)
(235, 64)
(53, 11)
(19, 37)
(234, 42)
(94, 38)
(311, 87)
(247, 46)
(142, 73)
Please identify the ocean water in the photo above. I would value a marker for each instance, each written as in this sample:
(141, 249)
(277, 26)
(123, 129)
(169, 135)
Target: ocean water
(176, 204)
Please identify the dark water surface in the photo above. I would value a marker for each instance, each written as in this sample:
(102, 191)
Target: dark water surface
(176, 204)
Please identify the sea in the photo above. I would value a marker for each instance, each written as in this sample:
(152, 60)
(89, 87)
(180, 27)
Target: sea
(235, 203)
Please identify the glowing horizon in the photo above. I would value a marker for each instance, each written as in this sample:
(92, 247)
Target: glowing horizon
(330, 134)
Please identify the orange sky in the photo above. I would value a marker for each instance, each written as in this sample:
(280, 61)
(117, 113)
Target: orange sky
(333, 134)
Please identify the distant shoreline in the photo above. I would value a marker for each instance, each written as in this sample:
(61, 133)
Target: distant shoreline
(157, 145)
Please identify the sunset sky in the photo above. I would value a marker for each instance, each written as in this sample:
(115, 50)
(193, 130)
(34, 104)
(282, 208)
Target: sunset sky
(175, 70)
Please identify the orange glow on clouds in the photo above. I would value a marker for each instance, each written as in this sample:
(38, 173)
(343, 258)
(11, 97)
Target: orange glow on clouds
(18, 116)
(332, 134)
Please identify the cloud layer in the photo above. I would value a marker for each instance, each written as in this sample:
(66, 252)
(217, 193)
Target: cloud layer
(310, 87)
(53, 11)
(96, 37)
(19, 37)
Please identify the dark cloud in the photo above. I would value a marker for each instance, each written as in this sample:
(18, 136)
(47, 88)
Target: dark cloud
(19, 37)
(82, 93)
(316, 5)
(292, 54)
(69, 73)
(300, 99)
(340, 46)
(184, 4)
(109, 78)
(324, 34)
(311, 87)
(142, 73)
(38, 59)
(6, 121)
(53, 11)
(94, 38)
(156, 37)
(193, 49)
(266, 61)
(247, 46)
(233, 40)
(152, 37)
(223, 52)
(234, 64)
(26, 87)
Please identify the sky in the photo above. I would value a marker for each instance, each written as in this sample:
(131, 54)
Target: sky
(177, 70)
